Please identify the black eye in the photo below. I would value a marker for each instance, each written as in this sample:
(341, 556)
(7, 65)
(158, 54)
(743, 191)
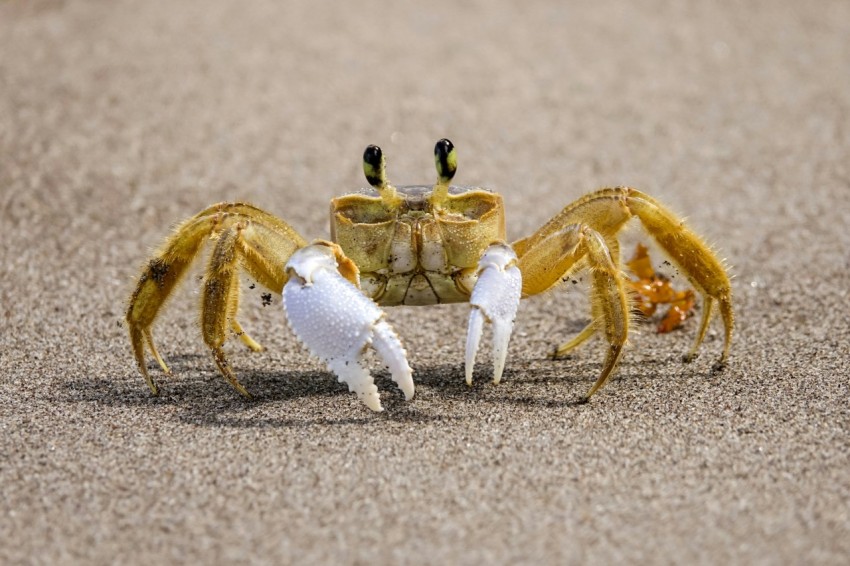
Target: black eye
(373, 166)
(444, 147)
(445, 158)
(373, 155)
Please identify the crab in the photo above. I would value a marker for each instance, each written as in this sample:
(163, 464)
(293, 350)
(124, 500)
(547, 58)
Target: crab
(416, 245)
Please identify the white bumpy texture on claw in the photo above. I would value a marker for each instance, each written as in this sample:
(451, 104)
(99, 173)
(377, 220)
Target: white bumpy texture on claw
(494, 299)
(337, 323)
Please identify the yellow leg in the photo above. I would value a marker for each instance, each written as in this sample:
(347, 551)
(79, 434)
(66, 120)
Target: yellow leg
(159, 278)
(562, 252)
(220, 300)
(246, 339)
(606, 211)
(695, 259)
(582, 337)
(157, 357)
(551, 259)
(728, 316)
(227, 372)
(271, 243)
(137, 342)
(237, 246)
(610, 305)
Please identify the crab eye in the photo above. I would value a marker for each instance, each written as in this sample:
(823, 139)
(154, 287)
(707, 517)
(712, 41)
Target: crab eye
(445, 157)
(373, 166)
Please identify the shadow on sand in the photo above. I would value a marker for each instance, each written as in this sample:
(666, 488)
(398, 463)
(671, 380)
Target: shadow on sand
(201, 397)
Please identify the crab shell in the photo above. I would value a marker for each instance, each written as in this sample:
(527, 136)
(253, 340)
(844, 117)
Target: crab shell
(422, 253)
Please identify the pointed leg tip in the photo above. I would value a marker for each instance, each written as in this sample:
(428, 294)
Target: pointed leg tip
(240, 388)
(559, 353)
(160, 361)
(244, 393)
(231, 377)
(689, 357)
(596, 387)
(149, 380)
(718, 367)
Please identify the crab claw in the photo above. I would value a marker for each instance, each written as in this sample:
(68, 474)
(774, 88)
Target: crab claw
(336, 322)
(494, 299)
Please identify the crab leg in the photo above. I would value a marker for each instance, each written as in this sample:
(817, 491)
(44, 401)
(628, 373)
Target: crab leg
(494, 299)
(607, 211)
(563, 251)
(337, 323)
(245, 236)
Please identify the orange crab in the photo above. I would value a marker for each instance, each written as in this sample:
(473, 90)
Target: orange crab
(653, 289)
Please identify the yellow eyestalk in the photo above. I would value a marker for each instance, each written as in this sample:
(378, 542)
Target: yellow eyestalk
(375, 169)
(445, 158)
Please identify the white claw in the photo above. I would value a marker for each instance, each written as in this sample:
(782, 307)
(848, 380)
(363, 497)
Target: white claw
(473, 338)
(495, 298)
(337, 323)
(359, 381)
(501, 336)
(389, 348)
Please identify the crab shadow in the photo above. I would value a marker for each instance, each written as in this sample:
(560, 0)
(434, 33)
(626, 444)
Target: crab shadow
(202, 397)
(197, 394)
(531, 382)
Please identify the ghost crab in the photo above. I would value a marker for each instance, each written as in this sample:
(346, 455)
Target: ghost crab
(416, 245)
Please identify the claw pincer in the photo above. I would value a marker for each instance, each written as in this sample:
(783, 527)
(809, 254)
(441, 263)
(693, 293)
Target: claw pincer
(494, 299)
(337, 323)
